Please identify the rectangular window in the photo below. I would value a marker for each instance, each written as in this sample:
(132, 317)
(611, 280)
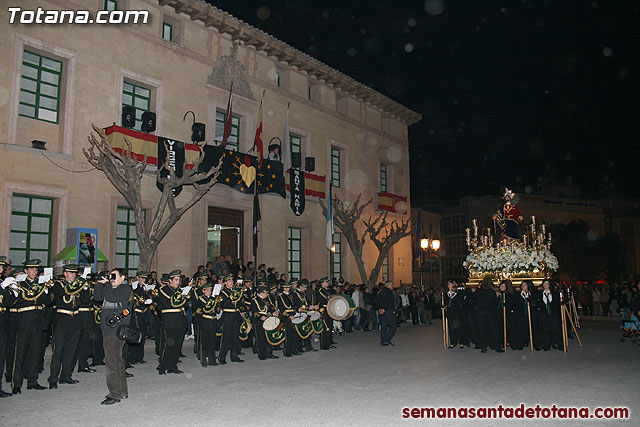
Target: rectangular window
(127, 250)
(337, 255)
(234, 136)
(30, 236)
(138, 97)
(277, 78)
(309, 92)
(296, 143)
(40, 87)
(385, 269)
(167, 32)
(383, 178)
(110, 4)
(295, 252)
(335, 167)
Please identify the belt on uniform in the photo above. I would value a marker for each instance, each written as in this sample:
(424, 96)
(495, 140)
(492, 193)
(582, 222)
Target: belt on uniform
(13, 310)
(32, 307)
(230, 310)
(3, 309)
(206, 316)
(85, 309)
(141, 310)
(172, 310)
(69, 312)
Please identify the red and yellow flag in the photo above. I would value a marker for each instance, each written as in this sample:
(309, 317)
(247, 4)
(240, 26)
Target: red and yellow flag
(258, 139)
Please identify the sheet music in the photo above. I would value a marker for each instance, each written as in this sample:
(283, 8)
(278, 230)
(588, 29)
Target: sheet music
(134, 285)
(20, 277)
(186, 290)
(44, 278)
(216, 289)
(85, 273)
(149, 287)
(48, 271)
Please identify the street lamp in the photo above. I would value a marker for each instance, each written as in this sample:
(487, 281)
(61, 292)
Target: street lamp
(424, 245)
(435, 245)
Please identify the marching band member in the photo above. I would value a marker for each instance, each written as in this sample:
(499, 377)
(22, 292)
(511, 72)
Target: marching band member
(4, 322)
(287, 308)
(207, 306)
(66, 327)
(304, 305)
(29, 300)
(158, 328)
(231, 320)
(98, 347)
(201, 279)
(172, 303)
(261, 309)
(322, 297)
(85, 320)
(141, 308)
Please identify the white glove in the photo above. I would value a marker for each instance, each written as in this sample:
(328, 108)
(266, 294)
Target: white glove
(148, 301)
(15, 293)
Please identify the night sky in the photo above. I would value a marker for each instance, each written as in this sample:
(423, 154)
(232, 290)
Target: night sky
(512, 93)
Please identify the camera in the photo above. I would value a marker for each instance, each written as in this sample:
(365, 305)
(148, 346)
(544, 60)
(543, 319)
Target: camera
(113, 320)
(103, 275)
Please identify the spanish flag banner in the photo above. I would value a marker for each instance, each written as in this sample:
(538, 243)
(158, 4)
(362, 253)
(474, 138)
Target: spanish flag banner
(141, 143)
(314, 185)
(391, 202)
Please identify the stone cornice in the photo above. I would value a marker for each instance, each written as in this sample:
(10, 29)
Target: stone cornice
(211, 16)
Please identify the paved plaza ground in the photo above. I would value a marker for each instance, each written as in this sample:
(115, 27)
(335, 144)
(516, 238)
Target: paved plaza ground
(359, 383)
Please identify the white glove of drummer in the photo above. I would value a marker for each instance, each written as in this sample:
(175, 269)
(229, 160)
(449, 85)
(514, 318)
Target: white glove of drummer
(148, 301)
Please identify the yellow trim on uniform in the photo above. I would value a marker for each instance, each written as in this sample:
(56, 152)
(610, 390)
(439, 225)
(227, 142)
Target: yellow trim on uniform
(32, 307)
(206, 316)
(230, 310)
(172, 310)
(69, 312)
(85, 309)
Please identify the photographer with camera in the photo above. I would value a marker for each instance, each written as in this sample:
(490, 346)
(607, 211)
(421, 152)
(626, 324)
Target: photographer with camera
(117, 308)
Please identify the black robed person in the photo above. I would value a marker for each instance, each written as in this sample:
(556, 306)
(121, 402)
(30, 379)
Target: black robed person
(207, 305)
(4, 322)
(172, 304)
(519, 305)
(486, 305)
(548, 317)
(261, 310)
(286, 306)
(322, 297)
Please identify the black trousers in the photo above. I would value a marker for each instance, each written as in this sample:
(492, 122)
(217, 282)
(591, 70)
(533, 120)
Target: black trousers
(325, 336)
(292, 340)
(207, 342)
(173, 338)
(98, 348)
(12, 333)
(27, 360)
(264, 348)
(84, 348)
(4, 332)
(550, 330)
(66, 336)
(457, 330)
(230, 334)
(136, 351)
(158, 334)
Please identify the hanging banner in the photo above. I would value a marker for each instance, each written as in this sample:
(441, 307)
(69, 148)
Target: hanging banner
(296, 187)
(174, 151)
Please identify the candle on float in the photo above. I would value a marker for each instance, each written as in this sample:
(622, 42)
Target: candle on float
(524, 239)
(544, 229)
(533, 219)
(475, 222)
(549, 240)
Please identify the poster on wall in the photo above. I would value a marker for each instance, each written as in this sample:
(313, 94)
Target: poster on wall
(85, 240)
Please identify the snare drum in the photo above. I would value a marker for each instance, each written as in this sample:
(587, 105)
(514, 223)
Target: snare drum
(299, 318)
(271, 323)
(314, 315)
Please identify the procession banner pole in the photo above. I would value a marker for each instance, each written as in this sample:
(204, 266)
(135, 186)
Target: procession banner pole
(564, 325)
(530, 329)
(504, 319)
(444, 319)
(575, 311)
(573, 326)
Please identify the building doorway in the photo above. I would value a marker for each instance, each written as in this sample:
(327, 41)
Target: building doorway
(224, 233)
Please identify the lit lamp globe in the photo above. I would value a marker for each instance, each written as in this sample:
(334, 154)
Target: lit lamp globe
(435, 244)
(424, 243)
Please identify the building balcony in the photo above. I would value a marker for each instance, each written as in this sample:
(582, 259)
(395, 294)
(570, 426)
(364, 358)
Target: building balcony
(392, 203)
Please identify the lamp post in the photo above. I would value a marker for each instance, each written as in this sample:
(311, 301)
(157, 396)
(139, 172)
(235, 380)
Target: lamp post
(424, 244)
(435, 245)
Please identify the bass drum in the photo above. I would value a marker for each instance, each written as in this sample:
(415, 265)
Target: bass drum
(340, 307)
(271, 323)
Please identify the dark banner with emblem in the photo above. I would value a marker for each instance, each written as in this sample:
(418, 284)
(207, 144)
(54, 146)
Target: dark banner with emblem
(241, 171)
(174, 150)
(296, 187)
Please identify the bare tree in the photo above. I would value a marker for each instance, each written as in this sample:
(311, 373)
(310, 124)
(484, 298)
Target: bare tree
(125, 173)
(383, 234)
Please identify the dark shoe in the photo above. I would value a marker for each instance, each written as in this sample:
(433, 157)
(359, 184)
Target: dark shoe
(237, 359)
(129, 365)
(174, 371)
(484, 350)
(16, 391)
(262, 358)
(182, 355)
(69, 381)
(87, 370)
(36, 386)
(162, 372)
(273, 356)
(212, 361)
(500, 350)
(53, 385)
(384, 344)
(287, 355)
(128, 375)
(204, 363)
(333, 346)
(4, 394)
(391, 344)
(110, 401)
(241, 353)
(126, 396)
(142, 362)
(311, 349)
